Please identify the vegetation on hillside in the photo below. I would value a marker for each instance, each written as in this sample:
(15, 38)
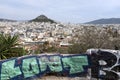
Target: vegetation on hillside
(42, 18)
(92, 37)
(8, 46)
(88, 37)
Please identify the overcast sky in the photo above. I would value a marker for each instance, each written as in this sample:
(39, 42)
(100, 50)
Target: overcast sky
(74, 11)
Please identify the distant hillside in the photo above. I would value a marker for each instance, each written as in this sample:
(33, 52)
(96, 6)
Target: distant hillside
(105, 21)
(42, 18)
(7, 20)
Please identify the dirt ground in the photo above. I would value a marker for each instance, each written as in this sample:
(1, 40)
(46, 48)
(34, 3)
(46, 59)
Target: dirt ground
(63, 78)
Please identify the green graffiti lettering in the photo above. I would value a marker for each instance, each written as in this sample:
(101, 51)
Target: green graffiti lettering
(54, 63)
(30, 67)
(75, 63)
(9, 71)
(43, 63)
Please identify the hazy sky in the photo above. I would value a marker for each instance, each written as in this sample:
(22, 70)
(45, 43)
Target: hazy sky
(74, 11)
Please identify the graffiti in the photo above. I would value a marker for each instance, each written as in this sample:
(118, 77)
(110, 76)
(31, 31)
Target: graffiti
(38, 65)
(71, 62)
(105, 64)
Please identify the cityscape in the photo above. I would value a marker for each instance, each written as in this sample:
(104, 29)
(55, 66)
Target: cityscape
(32, 34)
(59, 40)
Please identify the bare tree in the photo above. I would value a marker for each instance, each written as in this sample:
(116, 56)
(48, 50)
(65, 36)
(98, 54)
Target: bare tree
(94, 37)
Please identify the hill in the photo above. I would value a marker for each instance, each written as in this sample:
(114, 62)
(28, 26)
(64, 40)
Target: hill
(105, 21)
(42, 18)
(6, 20)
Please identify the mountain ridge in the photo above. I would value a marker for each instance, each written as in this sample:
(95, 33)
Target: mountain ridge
(41, 18)
(105, 21)
(7, 20)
